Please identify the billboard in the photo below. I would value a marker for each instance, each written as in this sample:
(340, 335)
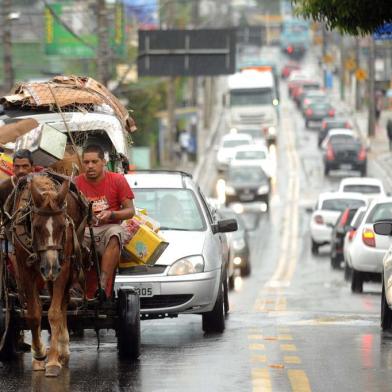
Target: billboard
(186, 52)
(70, 30)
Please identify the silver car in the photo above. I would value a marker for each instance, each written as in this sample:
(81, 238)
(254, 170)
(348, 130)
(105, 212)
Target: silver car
(191, 274)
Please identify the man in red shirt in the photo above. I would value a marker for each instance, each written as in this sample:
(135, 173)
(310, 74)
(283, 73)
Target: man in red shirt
(112, 200)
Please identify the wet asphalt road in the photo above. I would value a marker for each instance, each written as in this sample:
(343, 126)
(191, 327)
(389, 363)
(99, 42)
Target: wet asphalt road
(293, 326)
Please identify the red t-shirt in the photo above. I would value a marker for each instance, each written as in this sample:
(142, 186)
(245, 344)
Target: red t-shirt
(108, 194)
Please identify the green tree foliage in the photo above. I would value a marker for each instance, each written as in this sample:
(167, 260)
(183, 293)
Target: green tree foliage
(356, 17)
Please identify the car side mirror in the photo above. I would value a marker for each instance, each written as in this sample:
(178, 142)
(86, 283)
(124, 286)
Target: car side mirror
(225, 226)
(383, 227)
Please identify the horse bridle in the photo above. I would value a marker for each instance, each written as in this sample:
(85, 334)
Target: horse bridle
(58, 247)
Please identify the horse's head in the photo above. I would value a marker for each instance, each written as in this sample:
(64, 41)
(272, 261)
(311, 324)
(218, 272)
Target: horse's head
(49, 224)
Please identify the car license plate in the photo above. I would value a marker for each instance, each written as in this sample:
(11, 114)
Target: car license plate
(246, 197)
(144, 289)
(346, 166)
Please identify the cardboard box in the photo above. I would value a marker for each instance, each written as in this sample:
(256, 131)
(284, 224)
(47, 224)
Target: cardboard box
(70, 164)
(46, 144)
(145, 245)
(6, 166)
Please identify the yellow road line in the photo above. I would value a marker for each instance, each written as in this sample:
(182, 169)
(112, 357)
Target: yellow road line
(258, 358)
(255, 337)
(298, 380)
(285, 337)
(292, 359)
(261, 380)
(288, 347)
(256, 346)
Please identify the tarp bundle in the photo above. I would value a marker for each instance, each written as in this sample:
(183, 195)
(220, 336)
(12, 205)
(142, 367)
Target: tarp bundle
(69, 93)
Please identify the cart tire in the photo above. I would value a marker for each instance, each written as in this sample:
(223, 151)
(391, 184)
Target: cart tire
(9, 349)
(128, 331)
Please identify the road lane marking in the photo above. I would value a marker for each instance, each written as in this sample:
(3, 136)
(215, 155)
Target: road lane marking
(256, 346)
(255, 337)
(285, 337)
(288, 347)
(261, 380)
(292, 359)
(258, 358)
(298, 380)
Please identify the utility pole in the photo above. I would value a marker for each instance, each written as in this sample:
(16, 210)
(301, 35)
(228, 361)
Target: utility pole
(357, 83)
(8, 70)
(194, 81)
(371, 90)
(103, 52)
(169, 137)
(342, 71)
(324, 52)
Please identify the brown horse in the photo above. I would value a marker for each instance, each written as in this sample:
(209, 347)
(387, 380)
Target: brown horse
(55, 214)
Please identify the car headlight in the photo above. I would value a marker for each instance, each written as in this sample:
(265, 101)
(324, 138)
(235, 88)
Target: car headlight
(272, 130)
(229, 190)
(239, 244)
(263, 190)
(187, 265)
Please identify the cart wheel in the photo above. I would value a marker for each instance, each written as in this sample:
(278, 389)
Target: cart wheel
(128, 330)
(8, 337)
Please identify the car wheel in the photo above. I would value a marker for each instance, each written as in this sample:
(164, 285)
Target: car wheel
(386, 312)
(307, 124)
(231, 282)
(326, 170)
(315, 248)
(347, 272)
(226, 294)
(246, 269)
(363, 172)
(335, 262)
(214, 321)
(356, 281)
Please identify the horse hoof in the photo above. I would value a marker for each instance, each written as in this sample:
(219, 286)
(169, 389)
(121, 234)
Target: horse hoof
(52, 371)
(38, 365)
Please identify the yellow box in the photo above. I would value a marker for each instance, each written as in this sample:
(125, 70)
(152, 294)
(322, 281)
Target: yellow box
(146, 245)
(6, 166)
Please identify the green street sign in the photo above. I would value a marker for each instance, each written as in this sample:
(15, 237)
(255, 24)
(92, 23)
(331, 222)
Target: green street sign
(70, 30)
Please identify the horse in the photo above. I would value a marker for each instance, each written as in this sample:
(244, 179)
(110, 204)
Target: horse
(56, 222)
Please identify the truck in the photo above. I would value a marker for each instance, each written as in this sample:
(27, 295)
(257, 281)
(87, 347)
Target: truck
(252, 100)
(295, 37)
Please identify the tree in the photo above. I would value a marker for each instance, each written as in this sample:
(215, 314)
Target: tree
(356, 17)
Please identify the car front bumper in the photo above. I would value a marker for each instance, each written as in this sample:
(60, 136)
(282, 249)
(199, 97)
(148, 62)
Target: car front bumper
(193, 293)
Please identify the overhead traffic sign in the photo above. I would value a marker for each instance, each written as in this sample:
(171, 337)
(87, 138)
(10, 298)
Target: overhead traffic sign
(186, 52)
(384, 32)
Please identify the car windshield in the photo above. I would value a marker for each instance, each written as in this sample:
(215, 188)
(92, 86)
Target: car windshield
(341, 204)
(250, 155)
(380, 212)
(261, 96)
(174, 209)
(341, 139)
(254, 133)
(235, 143)
(246, 175)
(362, 188)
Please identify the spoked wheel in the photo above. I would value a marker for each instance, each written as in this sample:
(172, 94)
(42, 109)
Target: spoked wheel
(8, 334)
(128, 330)
(386, 312)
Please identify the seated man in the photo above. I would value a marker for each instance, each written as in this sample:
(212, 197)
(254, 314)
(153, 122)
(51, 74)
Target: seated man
(112, 200)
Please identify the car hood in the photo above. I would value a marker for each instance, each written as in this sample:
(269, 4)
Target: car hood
(181, 244)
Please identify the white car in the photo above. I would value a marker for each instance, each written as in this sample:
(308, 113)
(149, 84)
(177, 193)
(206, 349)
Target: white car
(328, 208)
(227, 149)
(338, 134)
(255, 132)
(254, 155)
(367, 249)
(369, 187)
(348, 238)
(190, 276)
